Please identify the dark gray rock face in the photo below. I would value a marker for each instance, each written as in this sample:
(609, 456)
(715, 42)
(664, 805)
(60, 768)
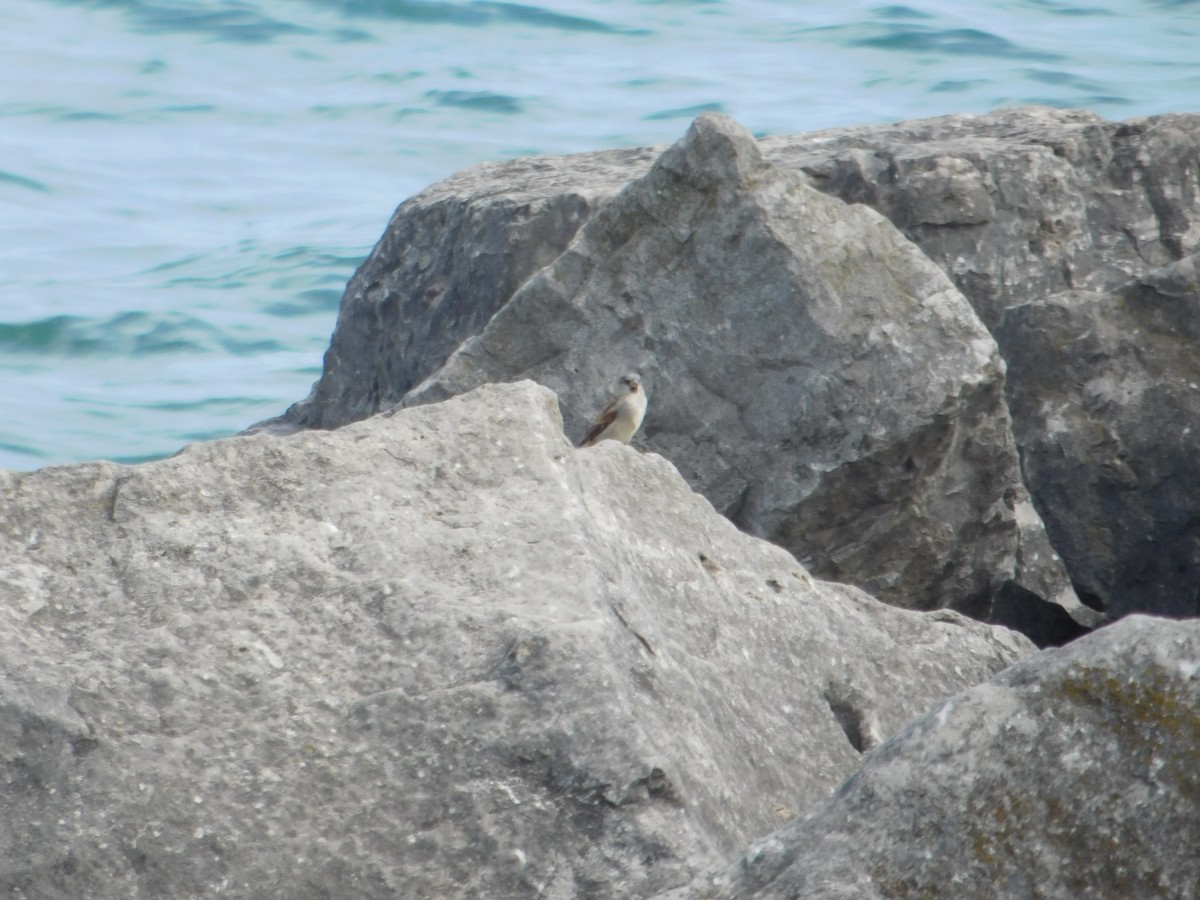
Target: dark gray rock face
(1074, 238)
(1106, 397)
(1070, 775)
(809, 370)
(438, 653)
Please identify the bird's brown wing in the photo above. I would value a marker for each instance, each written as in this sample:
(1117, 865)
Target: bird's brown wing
(603, 420)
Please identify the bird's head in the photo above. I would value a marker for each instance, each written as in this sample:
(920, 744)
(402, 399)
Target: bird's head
(632, 383)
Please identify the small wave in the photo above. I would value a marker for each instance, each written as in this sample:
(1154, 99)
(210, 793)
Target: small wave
(22, 181)
(239, 22)
(23, 450)
(1055, 9)
(954, 87)
(685, 112)
(475, 15)
(306, 303)
(950, 41)
(132, 334)
(484, 101)
(222, 404)
(190, 108)
(319, 258)
(87, 115)
(900, 12)
(39, 336)
(1091, 102)
(1065, 79)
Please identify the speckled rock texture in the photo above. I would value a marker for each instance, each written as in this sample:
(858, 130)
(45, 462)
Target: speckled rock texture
(809, 370)
(1021, 203)
(1075, 240)
(438, 653)
(1106, 405)
(1070, 775)
(1016, 207)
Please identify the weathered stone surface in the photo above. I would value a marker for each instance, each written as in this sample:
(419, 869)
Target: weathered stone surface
(1021, 203)
(1070, 775)
(1016, 206)
(433, 654)
(1054, 222)
(813, 374)
(1105, 390)
(1040, 601)
(450, 257)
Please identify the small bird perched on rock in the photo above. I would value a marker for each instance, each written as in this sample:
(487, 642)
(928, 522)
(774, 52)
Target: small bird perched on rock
(623, 415)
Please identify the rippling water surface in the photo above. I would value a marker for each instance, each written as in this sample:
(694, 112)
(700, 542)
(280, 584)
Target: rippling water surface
(186, 185)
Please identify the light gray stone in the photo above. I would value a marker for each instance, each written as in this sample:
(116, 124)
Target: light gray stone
(438, 653)
(449, 258)
(1021, 203)
(809, 370)
(458, 253)
(1016, 206)
(1070, 775)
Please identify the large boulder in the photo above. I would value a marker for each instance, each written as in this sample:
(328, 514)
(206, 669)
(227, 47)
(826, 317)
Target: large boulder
(450, 257)
(1017, 207)
(816, 379)
(1021, 203)
(433, 654)
(1070, 775)
(809, 370)
(1106, 404)
(1075, 240)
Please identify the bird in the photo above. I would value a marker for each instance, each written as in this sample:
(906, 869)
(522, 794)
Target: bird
(622, 417)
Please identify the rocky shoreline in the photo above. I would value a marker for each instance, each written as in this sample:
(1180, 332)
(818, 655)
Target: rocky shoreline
(921, 400)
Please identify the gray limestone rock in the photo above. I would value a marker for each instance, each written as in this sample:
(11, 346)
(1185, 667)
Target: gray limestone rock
(450, 257)
(1021, 203)
(808, 369)
(1105, 392)
(1017, 206)
(1075, 240)
(1070, 775)
(437, 653)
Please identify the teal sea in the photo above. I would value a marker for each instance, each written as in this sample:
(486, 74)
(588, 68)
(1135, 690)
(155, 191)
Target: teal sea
(186, 185)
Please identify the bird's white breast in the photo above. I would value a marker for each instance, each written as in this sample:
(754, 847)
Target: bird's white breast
(630, 411)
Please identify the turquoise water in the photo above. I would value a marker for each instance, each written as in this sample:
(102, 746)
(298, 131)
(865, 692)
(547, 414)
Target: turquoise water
(186, 185)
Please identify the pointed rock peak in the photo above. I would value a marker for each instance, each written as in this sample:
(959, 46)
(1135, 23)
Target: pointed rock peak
(712, 150)
(716, 164)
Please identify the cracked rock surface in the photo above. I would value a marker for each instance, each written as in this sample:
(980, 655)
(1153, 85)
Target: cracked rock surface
(1070, 775)
(436, 653)
(791, 382)
(809, 370)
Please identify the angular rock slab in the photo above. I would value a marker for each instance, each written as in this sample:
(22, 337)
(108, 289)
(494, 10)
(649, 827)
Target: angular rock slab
(1021, 203)
(809, 370)
(1105, 392)
(1062, 229)
(438, 653)
(449, 258)
(1073, 774)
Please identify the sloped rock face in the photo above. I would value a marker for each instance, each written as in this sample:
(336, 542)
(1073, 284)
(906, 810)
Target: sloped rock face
(1106, 399)
(1075, 239)
(438, 653)
(1017, 207)
(450, 257)
(813, 374)
(1070, 775)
